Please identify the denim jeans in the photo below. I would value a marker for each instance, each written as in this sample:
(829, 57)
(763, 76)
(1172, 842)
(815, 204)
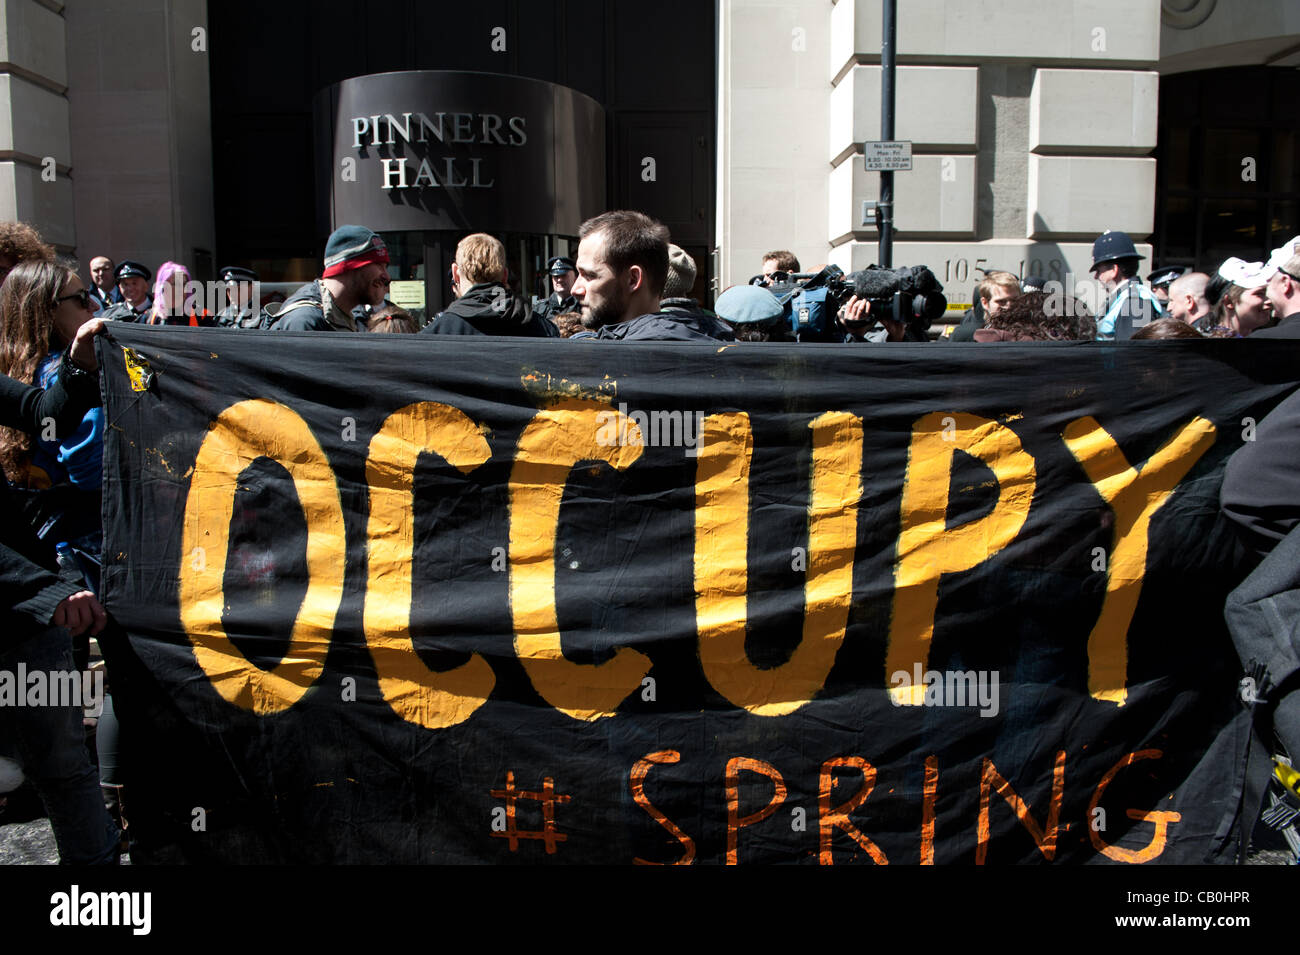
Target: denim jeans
(50, 742)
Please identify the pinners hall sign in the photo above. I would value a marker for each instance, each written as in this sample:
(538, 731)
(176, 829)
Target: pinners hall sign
(438, 150)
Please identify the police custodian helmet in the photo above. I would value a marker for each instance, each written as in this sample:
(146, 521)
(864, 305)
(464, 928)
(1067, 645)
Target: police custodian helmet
(1111, 247)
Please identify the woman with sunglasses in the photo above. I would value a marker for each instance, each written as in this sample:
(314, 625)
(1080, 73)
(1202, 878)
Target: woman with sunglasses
(42, 610)
(42, 306)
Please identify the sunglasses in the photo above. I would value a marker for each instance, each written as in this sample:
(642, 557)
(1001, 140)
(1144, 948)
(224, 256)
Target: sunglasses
(82, 297)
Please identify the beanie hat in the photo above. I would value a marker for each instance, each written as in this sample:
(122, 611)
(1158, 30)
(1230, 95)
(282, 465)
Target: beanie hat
(681, 273)
(350, 247)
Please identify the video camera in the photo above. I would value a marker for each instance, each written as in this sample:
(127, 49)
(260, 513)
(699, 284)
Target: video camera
(910, 295)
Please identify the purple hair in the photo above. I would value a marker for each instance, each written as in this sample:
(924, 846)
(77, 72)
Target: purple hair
(164, 277)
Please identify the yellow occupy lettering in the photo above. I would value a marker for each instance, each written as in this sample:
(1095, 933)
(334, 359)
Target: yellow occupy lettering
(721, 576)
(558, 438)
(1134, 497)
(417, 695)
(243, 433)
(927, 549)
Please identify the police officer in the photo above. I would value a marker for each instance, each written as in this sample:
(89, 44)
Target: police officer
(240, 311)
(563, 273)
(1161, 279)
(137, 301)
(1131, 304)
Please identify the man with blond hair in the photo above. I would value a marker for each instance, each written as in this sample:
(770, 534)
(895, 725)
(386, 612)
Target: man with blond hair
(484, 305)
(993, 294)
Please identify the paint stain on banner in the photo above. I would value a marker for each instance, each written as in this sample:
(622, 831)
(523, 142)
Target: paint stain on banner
(546, 388)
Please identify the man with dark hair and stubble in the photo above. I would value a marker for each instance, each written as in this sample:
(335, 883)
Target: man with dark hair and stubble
(622, 268)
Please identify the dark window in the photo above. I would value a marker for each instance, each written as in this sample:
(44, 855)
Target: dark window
(1227, 173)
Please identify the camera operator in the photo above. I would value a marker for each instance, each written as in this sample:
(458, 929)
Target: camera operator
(778, 266)
(852, 317)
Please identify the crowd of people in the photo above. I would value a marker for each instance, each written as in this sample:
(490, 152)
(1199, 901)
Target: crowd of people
(628, 282)
(651, 276)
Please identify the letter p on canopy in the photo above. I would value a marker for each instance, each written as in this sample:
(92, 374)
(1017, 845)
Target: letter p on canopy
(927, 548)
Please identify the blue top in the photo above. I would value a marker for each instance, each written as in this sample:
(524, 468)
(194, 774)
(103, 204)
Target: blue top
(79, 458)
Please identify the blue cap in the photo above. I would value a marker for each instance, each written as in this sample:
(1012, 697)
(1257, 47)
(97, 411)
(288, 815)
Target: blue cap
(748, 305)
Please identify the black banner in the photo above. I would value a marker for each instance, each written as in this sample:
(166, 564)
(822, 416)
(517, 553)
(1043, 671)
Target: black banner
(392, 599)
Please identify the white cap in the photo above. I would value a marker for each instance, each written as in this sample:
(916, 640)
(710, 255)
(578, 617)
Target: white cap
(1281, 256)
(1246, 274)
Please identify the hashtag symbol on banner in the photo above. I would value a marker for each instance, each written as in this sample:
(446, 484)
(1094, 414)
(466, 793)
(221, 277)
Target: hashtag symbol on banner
(548, 797)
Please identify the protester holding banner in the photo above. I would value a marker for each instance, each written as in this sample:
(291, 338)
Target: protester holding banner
(44, 306)
(41, 611)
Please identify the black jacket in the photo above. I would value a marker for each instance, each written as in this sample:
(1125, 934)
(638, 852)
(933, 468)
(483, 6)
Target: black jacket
(670, 326)
(30, 589)
(303, 312)
(488, 308)
(123, 312)
(232, 316)
(548, 308)
(971, 322)
(1261, 484)
(1288, 327)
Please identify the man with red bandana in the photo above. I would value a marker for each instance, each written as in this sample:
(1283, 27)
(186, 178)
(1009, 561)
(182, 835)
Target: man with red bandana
(356, 273)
